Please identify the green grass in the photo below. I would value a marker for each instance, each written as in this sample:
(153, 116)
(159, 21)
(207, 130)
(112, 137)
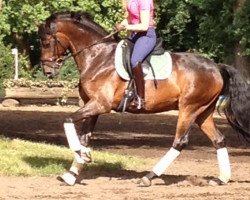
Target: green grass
(24, 158)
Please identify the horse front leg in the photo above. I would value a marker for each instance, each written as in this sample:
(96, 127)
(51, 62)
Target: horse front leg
(78, 137)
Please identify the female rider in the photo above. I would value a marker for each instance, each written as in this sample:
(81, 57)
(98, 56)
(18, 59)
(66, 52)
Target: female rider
(139, 20)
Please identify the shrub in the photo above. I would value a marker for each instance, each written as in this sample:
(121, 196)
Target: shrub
(6, 63)
(7, 69)
(67, 72)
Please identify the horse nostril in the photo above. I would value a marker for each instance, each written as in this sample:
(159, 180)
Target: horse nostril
(49, 74)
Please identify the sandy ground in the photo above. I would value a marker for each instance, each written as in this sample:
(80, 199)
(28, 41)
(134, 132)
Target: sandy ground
(142, 135)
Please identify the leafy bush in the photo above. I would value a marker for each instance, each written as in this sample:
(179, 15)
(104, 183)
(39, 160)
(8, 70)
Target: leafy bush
(7, 69)
(204, 26)
(22, 82)
(67, 72)
(6, 61)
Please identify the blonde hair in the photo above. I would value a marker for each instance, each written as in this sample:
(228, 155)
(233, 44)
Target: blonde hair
(124, 8)
(124, 5)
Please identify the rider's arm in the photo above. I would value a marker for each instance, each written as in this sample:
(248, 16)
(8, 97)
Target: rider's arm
(143, 26)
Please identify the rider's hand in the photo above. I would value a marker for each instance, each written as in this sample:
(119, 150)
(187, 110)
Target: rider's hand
(120, 27)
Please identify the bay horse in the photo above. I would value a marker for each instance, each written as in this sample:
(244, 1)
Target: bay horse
(193, 88)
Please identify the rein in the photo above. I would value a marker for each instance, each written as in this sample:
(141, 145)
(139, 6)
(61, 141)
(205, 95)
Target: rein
(64, 58)
(61, 59)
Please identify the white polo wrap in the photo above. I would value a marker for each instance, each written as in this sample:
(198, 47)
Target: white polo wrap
(69, 178)
(79, 157)
(224, 165)
(73, 140)
(165, 162)
(74, 169)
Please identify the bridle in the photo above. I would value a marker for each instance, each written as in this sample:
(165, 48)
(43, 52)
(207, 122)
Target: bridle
(60, 60)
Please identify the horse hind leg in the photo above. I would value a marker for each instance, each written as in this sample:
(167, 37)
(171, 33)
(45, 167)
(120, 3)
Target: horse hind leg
(184, 123)
(206, 123)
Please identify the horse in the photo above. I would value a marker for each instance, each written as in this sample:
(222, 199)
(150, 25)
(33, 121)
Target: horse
(193, 88)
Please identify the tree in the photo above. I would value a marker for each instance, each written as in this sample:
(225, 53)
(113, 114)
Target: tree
(242, 32)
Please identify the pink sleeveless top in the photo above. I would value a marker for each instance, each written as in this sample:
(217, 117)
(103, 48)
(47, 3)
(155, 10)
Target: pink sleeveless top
(135, 6)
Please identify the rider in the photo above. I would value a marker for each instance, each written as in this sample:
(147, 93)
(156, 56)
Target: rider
(139, 20)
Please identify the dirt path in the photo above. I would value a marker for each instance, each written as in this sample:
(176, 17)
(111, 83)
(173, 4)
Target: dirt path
(141, 135)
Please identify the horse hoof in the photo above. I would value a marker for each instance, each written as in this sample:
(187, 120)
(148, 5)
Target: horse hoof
(67, 179)
(144, 182)
(216, 182)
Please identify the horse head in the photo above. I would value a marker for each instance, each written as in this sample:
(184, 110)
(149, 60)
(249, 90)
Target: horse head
(71, 31)
(54, 46)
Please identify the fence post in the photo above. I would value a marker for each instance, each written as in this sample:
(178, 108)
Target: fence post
(15, 53)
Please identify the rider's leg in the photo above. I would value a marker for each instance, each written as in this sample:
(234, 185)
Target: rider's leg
(140, 85)
(144, 44)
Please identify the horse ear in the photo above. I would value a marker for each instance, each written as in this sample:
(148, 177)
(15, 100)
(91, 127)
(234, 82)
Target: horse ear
(41, 29)
(53, 28)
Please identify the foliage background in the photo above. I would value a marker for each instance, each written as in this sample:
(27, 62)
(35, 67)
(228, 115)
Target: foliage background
(218, 29)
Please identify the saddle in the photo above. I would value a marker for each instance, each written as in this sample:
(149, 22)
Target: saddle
(127, 49)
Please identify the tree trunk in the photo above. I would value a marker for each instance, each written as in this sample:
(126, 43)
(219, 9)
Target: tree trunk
(240, 62)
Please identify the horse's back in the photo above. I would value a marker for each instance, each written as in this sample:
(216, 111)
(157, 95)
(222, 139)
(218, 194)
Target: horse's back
(193, 67)
(194, 63)
(198, 78)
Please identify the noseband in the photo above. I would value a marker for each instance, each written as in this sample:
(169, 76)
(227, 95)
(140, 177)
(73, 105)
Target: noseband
(59, 60)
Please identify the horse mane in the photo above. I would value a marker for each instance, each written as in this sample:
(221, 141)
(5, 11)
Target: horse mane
(83, 19)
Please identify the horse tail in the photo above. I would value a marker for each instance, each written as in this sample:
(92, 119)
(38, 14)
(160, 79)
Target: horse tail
(237, 108)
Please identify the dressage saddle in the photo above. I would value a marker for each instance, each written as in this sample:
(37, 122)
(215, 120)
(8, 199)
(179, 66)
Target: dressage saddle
(127, 49)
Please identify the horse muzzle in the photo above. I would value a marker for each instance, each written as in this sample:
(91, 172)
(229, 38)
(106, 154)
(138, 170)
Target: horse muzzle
(50, 70)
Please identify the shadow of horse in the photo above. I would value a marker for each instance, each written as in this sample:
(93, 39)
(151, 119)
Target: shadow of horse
(99, 169)
(37, 162)
(117, 170)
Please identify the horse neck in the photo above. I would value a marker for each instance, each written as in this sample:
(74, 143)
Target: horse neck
(92, 49)
(82, 41)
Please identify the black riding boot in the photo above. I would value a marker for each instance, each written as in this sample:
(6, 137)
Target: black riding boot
(140, 86)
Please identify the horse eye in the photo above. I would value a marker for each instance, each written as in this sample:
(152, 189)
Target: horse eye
(47, 45)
